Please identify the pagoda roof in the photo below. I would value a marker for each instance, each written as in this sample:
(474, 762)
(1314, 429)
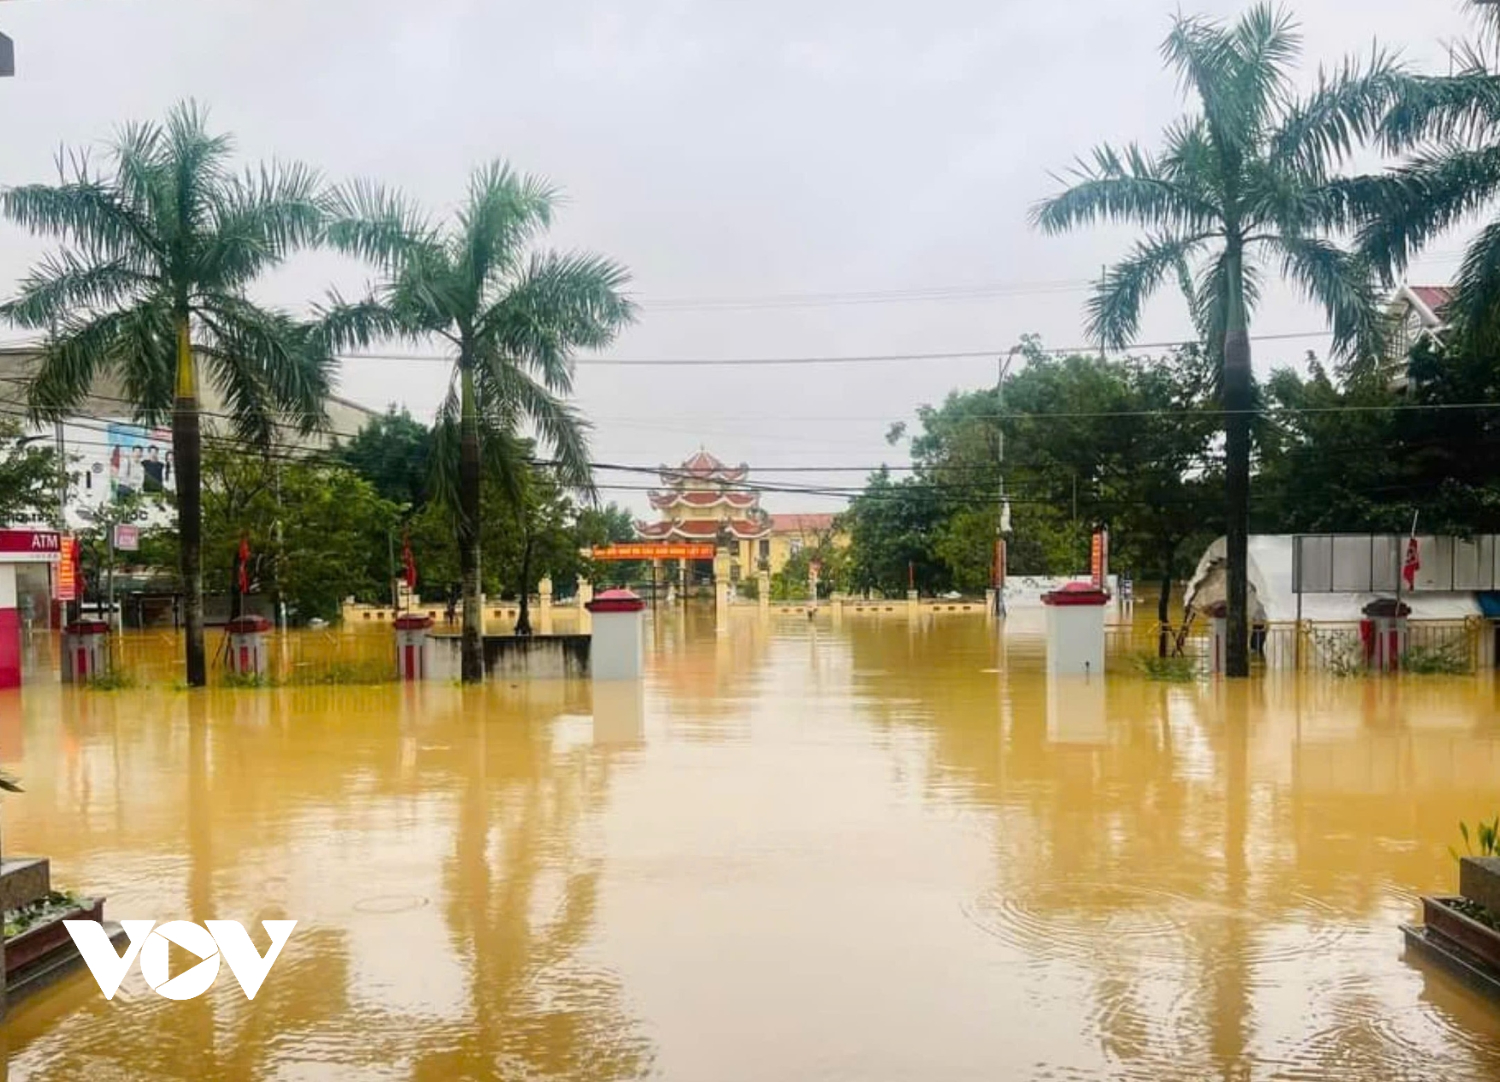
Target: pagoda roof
(703, 467)
(703, 497)
(704, 529)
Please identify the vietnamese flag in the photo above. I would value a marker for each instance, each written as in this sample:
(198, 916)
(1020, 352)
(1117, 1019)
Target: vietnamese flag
(408, 563)
(1413, 562)
(244, 564)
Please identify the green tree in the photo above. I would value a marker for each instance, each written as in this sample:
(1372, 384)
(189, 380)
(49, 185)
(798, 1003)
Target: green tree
(158, 253)
(394, 453)
(892, 526)
(1248, 177)
(317, 531)
(28, 477)
(512, 317)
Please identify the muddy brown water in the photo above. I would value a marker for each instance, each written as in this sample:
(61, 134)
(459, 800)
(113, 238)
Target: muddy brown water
(877, 851)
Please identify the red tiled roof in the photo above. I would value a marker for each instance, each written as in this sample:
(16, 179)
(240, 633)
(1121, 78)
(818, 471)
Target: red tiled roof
(702, 529)
(703, 466)
(702, 498)
(1436, 298)
(802, 524)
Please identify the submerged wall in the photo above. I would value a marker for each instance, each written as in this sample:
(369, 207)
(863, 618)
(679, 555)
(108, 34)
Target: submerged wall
(506, 657)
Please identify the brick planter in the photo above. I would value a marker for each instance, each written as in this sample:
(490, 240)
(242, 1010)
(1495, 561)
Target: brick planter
(40, 939)
(1443, 920)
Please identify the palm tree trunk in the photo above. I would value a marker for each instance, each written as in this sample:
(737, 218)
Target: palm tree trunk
(472, 645)
(1238, 400)
(187, 448)
(1164, 602)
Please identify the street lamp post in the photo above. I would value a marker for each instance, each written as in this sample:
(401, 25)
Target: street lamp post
(1002, 519)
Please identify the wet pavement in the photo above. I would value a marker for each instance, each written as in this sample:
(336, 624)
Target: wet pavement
(877, 851)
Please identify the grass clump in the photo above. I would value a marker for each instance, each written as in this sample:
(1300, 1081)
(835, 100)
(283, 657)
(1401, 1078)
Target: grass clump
(114, 680)
(1175, 670)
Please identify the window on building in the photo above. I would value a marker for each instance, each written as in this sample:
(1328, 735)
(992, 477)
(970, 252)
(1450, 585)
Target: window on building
(765, 548)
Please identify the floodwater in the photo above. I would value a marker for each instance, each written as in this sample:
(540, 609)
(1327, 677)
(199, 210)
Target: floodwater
(877, 851)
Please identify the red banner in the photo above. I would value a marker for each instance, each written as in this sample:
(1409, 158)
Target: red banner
(66, 582)
(653, 550)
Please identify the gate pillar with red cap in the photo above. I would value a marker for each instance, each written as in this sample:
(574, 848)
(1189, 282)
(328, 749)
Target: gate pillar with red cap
(1075, 629)
(85, 645)
(411, 645)
(248, 655)
(615, 652)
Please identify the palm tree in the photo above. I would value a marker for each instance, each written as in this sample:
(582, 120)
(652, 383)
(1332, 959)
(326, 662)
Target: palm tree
(1246, 177)
(157, 253)
(1448, 127)
(510, 316)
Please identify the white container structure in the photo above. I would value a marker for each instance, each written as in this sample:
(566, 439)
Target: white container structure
(1075, 630)
(615, 652)
(1383, 630)
(248, 655)
(411, 645)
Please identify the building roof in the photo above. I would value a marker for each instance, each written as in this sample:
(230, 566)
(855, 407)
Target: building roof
(802, 524)
(703, 529)
(702, 497)
(1433, 298)
(702, 467)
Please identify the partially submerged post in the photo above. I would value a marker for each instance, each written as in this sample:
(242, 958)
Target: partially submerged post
(1075, 629)
(85, 645)
(615, 653)
(248, 655)
(411, 645)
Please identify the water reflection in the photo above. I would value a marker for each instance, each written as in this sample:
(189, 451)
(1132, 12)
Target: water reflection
(887, 849)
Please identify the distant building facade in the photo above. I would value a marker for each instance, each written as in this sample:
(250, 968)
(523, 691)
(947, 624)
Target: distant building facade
(110, 456)
(1414, 314)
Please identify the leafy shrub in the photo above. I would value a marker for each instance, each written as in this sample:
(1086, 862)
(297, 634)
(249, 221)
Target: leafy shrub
(1342, 651)
(1485, 835)
(1448, 660)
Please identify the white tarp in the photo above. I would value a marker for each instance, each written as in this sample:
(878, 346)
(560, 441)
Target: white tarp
(1272, 598)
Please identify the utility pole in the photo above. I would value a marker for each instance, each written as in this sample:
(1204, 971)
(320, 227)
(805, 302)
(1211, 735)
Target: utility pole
(1002, 516)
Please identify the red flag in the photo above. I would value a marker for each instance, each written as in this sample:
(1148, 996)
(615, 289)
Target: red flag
(244, 564)
(409, 562)
(1413, 563)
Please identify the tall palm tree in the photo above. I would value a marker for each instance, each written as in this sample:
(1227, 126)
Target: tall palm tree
(510, 316)
(1246, 177)
(1448, 129)
(158, 250)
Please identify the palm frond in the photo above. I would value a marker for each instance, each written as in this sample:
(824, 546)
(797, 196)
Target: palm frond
(64, 282)
(1123, 186)
(1462, 107)
(198, 165)
(376, 224)
(270, 368)
(86, 212)
(1115, 308)
(1413, 204)
(504, 212)
(508, 397)
(1344, 110)
(347, 325)
(559, 304)
(1474, 311)
(70, 363)
(258, 220)
(1342, 284)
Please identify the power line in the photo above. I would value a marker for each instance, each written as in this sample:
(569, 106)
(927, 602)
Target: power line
(869, 358)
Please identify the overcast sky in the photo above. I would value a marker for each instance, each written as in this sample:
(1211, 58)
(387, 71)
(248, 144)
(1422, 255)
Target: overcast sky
(725, 151)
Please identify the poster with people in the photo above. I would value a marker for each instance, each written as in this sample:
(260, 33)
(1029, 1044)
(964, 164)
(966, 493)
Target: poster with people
(140, 461)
